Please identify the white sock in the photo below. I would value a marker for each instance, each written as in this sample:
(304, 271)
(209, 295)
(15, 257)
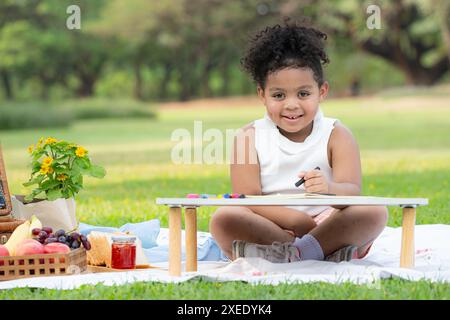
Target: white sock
(309, 248)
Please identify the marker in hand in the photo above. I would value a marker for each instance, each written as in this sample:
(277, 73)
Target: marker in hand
(302, 180)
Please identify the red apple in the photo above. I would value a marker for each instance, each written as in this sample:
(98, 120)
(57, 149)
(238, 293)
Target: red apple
(3, 253)
(56, 247)
(29, 246)
(28, 241)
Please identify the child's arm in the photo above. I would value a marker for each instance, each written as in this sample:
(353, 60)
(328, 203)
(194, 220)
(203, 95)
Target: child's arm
(345, 163)
(245, 179)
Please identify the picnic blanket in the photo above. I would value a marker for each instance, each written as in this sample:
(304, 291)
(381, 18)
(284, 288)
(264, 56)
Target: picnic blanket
(432, 263)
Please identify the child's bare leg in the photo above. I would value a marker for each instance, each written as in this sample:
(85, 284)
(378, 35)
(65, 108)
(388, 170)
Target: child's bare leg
(240, 223)
(293, 220)
(353, 225)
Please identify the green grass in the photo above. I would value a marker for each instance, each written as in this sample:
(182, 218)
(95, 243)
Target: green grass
(405, 152)
(202, 290)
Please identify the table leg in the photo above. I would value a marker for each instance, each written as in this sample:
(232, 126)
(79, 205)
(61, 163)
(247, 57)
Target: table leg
(190, 215)
(407, 248)
(175, 241)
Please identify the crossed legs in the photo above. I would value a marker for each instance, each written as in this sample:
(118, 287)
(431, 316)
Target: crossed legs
(353, 225)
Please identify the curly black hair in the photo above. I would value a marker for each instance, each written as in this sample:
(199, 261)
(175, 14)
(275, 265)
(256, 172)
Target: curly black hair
(283, 46)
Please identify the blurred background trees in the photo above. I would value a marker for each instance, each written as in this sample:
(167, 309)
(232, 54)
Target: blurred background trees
(187, 49)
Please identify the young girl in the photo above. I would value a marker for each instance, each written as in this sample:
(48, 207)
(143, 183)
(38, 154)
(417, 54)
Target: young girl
(291, 141)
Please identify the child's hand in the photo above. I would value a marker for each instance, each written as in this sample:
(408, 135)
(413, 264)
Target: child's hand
(315, 181)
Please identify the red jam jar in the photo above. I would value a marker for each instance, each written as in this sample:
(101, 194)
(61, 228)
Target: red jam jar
(123, 255)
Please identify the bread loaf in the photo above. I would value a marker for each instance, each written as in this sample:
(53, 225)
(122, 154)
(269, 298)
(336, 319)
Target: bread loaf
(100, 253)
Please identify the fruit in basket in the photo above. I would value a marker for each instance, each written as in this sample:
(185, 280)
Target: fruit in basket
(56, 247)
(75, 244)
(35, 223)
(21, 233)
(73, 240)
(50, 240)
(75, 235)
(85, 242)
(48, 230)
(4, 252)
(59, 233)
(29, 246)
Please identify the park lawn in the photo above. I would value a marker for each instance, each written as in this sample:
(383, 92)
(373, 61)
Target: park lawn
(405, 152)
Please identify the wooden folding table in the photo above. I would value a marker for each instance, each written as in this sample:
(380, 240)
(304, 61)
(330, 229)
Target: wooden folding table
(191, 204)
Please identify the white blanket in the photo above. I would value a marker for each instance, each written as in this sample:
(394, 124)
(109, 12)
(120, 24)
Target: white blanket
(432, 263)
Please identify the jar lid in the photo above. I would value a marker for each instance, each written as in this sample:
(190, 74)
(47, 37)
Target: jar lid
(123, 238)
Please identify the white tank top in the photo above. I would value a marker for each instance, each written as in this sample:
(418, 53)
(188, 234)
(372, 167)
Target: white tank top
(281, 159)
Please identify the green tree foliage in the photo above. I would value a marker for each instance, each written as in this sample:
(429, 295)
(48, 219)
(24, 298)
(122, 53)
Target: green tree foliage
(183, 49)
(411, 36)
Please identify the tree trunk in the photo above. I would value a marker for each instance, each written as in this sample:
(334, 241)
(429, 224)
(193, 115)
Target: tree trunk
(225, 75)
(204, 80)
(137, 92)
(6, 83)
(388, 47)
(86, 87)
(164, 84)
(45, 86)
(444, 17)
(416, 73)
(185, 88)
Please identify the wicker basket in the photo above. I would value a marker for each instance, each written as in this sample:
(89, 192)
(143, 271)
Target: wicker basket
(7, 223)
(40, 265)
(4, 190)
(7, 227)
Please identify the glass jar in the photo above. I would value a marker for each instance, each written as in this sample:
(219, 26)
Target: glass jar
(123, 252)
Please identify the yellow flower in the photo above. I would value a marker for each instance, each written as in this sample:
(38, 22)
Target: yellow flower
(61, 177)
(80, 152)
(30, 148)
(47, 162)
(70, 146)
(40, 142)
(50, 140)
(45, 170)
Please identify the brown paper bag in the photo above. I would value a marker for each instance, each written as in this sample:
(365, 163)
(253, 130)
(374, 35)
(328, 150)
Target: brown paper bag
(57, 214)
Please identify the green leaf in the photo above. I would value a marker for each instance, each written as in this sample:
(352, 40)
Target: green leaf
(61, 169)
(48, 149)
(49, 184)
(65, 193)
(81, 163)
(97, 171)
(29, 183)
(62, 159)
(36, 165)
(54, 194)
(29, 197)
(77, 179)
(86, 162)
(35, 180)
(75, 171)
(35, 194)
(38, 155)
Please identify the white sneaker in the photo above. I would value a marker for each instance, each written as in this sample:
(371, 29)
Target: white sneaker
(344, 254)
(276, 252)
